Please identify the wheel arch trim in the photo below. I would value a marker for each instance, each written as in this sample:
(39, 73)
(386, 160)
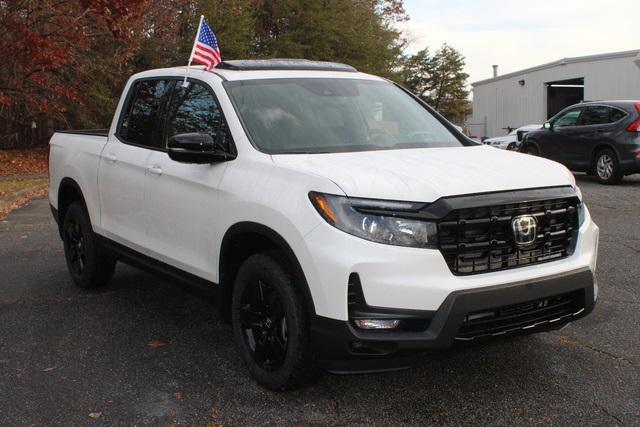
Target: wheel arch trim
(63, 187)
(248, 227)
(603, 146)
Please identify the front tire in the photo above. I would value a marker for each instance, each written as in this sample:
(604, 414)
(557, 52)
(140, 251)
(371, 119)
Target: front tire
(607, 168)
(271, 324)
(532, 150)
(88, 264)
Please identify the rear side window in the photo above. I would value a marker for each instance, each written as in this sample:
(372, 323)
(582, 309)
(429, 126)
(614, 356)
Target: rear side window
(616, 115)
(195, 109)
(139, 124)
(601, 115)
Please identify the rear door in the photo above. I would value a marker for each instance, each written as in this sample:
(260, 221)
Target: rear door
(600, 124)
(121, 175)
(566, 131)
(182, 199)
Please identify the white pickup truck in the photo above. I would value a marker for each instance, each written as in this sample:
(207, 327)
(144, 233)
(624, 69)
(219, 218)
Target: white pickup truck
(344, 223)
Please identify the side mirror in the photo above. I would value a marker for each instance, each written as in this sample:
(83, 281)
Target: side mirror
(197, 148)
(548, 125)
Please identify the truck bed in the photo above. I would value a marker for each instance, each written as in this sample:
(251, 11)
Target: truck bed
(90, 132)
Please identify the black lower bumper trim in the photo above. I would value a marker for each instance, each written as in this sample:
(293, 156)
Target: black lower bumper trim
(339, 343)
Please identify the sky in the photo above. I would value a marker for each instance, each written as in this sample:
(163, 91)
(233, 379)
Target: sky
(517, 34)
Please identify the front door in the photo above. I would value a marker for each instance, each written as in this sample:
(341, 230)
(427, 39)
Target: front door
(564, 134)
(182, 199)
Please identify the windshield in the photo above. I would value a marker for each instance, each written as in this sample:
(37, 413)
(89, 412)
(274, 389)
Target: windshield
(317, 115)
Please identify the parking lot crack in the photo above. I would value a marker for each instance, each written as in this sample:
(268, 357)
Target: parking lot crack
(626, 245)
(609, 414)
(563, 339)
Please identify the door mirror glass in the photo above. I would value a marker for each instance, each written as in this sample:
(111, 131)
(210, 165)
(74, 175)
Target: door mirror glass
(196, 148)
(548, 125)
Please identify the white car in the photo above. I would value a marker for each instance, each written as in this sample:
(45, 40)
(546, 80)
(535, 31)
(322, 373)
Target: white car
(342, 221)
(513, 139)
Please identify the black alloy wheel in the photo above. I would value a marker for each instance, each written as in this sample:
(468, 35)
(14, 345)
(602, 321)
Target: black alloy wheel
(75, 246)
(271, 323)
(264, 322)
(88, 264)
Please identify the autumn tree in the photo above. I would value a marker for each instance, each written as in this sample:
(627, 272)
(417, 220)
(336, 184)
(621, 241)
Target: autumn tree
(50, 53)
(65, 62)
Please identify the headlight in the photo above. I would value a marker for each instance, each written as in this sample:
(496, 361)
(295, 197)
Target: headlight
(377, 220)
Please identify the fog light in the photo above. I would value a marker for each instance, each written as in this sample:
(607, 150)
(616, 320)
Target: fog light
(377, 323)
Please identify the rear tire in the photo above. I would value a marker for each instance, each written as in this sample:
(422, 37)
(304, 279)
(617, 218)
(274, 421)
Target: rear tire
(607, 167)
(271, 324)
(89, 265)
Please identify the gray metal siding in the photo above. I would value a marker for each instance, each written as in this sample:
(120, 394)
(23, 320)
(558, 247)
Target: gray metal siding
(504, 102)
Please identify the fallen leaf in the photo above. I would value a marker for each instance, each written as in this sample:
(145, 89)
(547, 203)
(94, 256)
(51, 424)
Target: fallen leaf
(95, 415)
(179, 395)
(157, 344)
(29, 161)
(53, 368)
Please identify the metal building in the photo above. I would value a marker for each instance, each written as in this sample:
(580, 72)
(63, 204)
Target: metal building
(533, 95)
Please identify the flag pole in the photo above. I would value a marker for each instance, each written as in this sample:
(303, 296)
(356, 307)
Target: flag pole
(193, 49)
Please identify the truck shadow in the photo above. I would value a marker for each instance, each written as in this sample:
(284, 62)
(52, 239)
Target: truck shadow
(173, 343)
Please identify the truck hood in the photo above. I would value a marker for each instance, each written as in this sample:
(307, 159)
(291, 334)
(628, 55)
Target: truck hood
(427, 174)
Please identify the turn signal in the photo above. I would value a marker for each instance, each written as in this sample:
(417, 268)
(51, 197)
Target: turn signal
(323, 206)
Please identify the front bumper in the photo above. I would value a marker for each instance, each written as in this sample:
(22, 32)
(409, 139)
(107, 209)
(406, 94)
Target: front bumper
(395, 277)
(342, 347)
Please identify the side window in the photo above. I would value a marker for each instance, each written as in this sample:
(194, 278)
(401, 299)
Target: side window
(596, 115)
(194, 109)
(616, 115)
(140, 122)
(601, 115)
(570, 118)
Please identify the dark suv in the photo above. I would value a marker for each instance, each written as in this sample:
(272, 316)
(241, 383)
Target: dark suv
(600, 138)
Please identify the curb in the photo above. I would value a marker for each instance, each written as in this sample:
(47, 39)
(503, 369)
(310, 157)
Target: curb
(5, 204)
(23, 177)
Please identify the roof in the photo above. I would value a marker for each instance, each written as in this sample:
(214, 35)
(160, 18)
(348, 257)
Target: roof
(266, 69)
(284, 64)
(565, 61)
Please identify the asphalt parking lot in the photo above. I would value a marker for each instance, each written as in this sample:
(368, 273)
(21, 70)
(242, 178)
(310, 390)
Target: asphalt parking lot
(142, 351)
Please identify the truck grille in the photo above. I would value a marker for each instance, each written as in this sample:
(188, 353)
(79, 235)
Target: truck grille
(522, 316)
(480, 239)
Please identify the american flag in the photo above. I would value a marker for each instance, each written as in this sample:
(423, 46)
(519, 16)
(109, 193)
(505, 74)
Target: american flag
(206, 50)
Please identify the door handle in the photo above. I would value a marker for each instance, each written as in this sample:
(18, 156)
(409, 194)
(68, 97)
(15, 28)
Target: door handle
(110, 157)
(155, 170)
